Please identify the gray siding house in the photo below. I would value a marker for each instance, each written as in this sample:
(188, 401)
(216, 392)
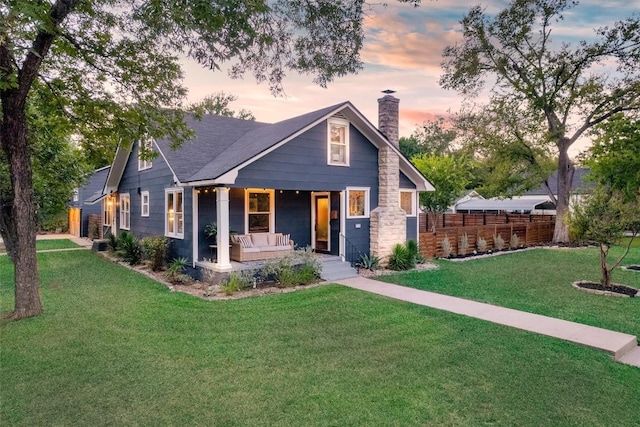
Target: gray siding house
(329, 179)
(87, 201)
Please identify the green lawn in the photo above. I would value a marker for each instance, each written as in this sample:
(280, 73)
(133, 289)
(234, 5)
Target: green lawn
(43, 245)
(115, 348)
(537, 281)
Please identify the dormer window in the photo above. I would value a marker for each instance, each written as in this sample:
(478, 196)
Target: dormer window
(338, 142)
(144, 151)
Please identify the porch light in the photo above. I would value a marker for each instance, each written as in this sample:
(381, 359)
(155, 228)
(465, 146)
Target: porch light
(297, 191)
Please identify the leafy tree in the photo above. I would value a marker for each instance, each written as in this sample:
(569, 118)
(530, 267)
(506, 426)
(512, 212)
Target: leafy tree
(604, 217)
(448, 174)
(511, 154)
(113, 68)
(614, 157)
(432, 137)
(218, 103)
(563, 86)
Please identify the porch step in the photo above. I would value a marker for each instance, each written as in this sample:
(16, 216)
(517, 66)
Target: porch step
(333, 268)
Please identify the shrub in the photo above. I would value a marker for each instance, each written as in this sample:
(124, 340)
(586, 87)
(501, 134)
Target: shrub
(401, 258)
(498, 242)
(301, 268)
(481, 244)
(155, 250)
(515, 241)
(447, 249)
(237, 281)
(129, 248)
(112, 243)
(368, 262)
(175, 272)
(414, 249)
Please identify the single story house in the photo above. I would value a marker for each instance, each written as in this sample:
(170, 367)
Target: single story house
(328, 179)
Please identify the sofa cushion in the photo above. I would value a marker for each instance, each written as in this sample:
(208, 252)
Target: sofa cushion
(260, 239)
(273, 238)
(250, 250)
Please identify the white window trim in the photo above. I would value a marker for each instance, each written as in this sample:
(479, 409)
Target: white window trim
(125, 213)
(144, 164)
(166, 219)
(272, 210)
(339, 122)
(367, 202)
(143, 204)
(108, 210)
(76, 195)
(413, 201)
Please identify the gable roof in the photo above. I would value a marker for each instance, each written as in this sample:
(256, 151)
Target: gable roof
(98, 178)
(224, 145)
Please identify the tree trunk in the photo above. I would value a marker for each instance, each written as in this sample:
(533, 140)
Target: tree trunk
(18, 213)
(606, 272)
(565, 178)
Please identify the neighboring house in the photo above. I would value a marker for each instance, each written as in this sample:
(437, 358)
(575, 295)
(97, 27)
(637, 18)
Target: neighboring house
(86, 201)
(329, 179)
(535, 201)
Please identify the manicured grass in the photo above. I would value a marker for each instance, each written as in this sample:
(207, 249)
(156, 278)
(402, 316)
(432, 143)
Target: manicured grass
(43, 245)
(538, 281)
(115, 348)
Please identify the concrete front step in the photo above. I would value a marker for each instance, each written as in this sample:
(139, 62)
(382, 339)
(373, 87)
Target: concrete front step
(333, 268)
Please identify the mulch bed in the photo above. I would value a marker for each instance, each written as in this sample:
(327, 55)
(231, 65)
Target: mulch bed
(615, 290)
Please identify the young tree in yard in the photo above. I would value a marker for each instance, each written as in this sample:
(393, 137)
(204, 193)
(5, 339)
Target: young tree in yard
(113, 68)
(449, 175)
(565, 85)
(604, 217)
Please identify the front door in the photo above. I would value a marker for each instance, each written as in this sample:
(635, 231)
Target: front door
(321, 230)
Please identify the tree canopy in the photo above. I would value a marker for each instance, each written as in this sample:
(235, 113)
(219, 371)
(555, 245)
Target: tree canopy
(566, 89)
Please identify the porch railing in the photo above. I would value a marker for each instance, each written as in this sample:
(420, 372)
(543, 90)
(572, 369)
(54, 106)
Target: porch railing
(349, 251)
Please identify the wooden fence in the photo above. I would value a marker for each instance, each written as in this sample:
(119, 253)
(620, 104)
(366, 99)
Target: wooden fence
(465, 220)
(528, 234)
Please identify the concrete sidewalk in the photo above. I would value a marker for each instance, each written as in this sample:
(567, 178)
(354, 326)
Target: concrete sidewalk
(82, 242)
(623, 347)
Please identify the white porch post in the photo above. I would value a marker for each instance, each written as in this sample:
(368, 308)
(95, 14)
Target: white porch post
(223, 262)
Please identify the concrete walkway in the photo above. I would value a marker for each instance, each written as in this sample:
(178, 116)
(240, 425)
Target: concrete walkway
(623, 347)
(82, 242)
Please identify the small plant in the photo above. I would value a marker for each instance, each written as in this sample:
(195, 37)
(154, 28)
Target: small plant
(155, 250)
(515, 241)
(414, 249)
(481, 244)
(498, 242)
(175, 271)
(401, 258)
(464, 243)
(237, 281)
(301, 268)
(211, 231)
(447, 249)
(129, 248)
(368, 262)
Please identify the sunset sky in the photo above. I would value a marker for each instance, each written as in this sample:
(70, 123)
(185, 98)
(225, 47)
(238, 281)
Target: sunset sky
(403, 52)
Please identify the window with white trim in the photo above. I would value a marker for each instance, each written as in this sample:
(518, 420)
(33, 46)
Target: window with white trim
(408, 202)
(338, 142)
(125, 211)
(147, 146)
(357, 202)
(76, 195)
(144, 203)
(259, 208)
(174, 213)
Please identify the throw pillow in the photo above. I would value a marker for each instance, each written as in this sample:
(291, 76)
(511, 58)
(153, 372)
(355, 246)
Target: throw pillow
(245, 241)
(283, 240)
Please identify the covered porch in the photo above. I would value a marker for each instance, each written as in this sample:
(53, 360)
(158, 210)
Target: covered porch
(314, 219)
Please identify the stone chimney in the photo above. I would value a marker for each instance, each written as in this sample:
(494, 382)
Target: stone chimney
(388, 116)
(388, 221)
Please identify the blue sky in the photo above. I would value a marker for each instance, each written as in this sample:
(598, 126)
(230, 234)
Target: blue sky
(403, 52)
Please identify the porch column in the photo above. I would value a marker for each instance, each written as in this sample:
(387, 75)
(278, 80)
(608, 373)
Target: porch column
(223, 262)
